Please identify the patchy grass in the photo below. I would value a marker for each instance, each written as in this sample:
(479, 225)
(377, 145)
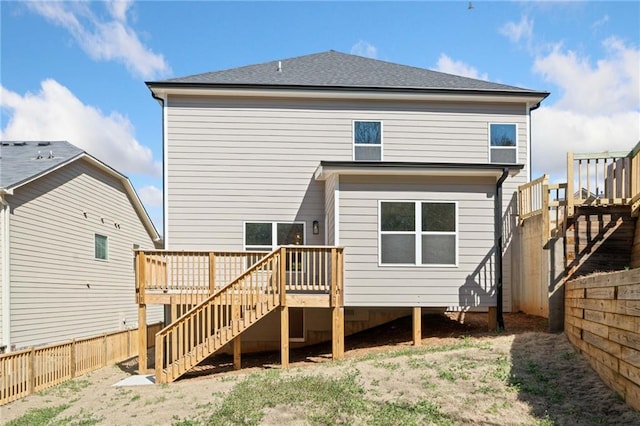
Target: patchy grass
(38, 416)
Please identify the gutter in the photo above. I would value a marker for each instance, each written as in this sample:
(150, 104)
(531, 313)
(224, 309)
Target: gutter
(5, 215)
(498, 242)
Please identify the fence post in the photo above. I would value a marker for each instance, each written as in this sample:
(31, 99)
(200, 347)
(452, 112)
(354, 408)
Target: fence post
(31, 379)
(72, 359)
(212, 273)
(104, 350)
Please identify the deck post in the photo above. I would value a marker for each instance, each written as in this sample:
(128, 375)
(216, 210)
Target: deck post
(284, 336)
(142, 339)
(237, 352)
(492, 318)
(569, 191)
(337, 305)
(417, 326)
(284, 310)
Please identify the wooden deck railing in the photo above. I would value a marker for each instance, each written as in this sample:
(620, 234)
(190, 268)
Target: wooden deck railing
(230, 310)
(609, 178)
(35, 369)
(539, 197)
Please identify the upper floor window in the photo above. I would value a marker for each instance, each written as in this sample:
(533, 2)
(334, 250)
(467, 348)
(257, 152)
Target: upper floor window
(418, 233)
(503, 143)
(367, 140)
(101, 247)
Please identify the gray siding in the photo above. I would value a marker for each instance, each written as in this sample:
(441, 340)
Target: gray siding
(368, 284)
(329, 208)
(59, 290)
(1, 274)
(232, 160)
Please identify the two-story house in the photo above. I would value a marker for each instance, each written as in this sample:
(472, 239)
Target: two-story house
(413, 172)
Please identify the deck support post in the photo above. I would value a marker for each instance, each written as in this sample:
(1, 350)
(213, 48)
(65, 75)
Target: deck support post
(417, 326)
(284, 336)
(492, 318)
(237, 352)
(337, 331)
(142, 339)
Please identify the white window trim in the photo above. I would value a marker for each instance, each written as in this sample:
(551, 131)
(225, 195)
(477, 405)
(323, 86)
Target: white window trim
(106, 237)
(274, 233)
(354, 144)
(489, 147)
(418, 233)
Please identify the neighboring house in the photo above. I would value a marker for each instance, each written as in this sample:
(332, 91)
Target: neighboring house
(68, 227)
(399, 165)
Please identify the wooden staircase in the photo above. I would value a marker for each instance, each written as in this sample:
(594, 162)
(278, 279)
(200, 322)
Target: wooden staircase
(599, 239)
(220, 318)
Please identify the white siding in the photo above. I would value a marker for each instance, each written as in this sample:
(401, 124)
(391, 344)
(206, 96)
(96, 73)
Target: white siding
(58, 290)
(232, 160)
(468, 284)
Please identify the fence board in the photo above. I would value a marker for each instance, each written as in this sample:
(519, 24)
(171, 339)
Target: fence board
(37, 369)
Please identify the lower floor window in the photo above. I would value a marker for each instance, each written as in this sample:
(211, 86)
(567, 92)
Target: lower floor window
(269, 235)
(418, 233)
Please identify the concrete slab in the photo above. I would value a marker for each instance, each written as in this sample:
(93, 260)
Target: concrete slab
(138, 380)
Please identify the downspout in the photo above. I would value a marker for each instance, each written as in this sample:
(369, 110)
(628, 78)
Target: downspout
(498, 241)
(5, 214)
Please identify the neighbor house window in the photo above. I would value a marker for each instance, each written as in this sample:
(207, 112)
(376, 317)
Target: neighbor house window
(367, 140)
(418, 233)
(101, 247)
(503, 147)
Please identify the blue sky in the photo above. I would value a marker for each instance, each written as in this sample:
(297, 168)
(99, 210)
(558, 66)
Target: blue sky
(76, 70)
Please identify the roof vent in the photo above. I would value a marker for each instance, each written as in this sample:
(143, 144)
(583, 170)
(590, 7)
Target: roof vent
(39, 156)
(50, 154)
(19, 143)
(44, 143)
(279, 66)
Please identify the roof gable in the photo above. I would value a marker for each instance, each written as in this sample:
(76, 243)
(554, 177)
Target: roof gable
(341, 70)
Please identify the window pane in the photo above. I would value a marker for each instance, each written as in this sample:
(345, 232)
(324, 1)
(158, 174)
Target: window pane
(290, 233)
(367, 132)
(438, 249)
(100, 247)
(368, 153)
(439, 217)
(258, 234)
(503, 156)
(398, 217)
(398, 249)
(503, 134)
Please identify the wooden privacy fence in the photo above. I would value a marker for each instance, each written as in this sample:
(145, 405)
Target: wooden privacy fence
(35, 369)
(602, 320)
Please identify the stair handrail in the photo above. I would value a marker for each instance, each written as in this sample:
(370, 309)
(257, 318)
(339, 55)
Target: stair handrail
(200, 334)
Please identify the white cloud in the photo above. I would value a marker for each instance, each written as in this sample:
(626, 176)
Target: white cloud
(151, 196)
(516, 32)
(57, 114)
(363, 48)
(609, 86)
(449, 66)
(600, 22)
(555, 131)
(110, 39)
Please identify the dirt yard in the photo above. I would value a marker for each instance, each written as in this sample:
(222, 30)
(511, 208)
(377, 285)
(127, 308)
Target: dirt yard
(461, 374)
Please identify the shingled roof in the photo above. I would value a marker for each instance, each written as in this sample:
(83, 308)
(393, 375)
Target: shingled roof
(23, 161)
(338, 70)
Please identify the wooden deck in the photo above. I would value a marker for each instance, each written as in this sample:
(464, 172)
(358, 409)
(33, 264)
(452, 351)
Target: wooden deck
(215, 296)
